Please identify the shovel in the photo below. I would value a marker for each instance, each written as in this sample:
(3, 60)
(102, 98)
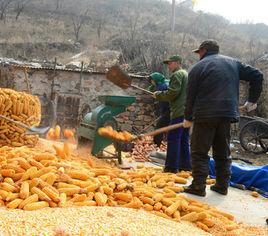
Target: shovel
(30, 130)
(122, 79)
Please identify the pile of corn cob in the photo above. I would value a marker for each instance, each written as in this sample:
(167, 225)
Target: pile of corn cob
(32, 179)
(22, 107)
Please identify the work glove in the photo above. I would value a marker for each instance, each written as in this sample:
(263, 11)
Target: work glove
(248, 106)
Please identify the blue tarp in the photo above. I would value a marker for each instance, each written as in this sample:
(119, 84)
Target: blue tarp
(250, 176)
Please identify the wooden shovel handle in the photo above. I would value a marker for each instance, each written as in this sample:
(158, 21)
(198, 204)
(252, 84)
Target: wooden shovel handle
(144, 90)
(162, 130)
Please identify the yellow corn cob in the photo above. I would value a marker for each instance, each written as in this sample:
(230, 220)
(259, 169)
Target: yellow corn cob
(35, 206)
(148, 207)
(161, 214)
(79, 198)
(180, 180)
(7, 172)
(8, 187)
(63, 199)
(52, 204)
(82, 184)
(9, 180)
(66, 149)
(24, 164)
(51, 178)
(69, 191)
(57, 131)
(12, 196)
(100, 198)
(185, 175)
(3, 194)
(158, 206)
(192, 217)
(157, 197)
(147, 200)
(34, 183)
(41, 194)
(52, 194)
(64, 185)
(107, 190)
(24, 190)
(31, 199)
(195, 208)
(92, 187)
(76, 174)
(14, 204)
(173, 208)
(29, 173)
(44, 156)
(167, 202)
(41, 172)
(184, 205)
(36, 164)
(177, 215)
(126, 197)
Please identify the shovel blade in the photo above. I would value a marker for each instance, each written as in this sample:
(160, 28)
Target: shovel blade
(118, 77)
(37, 130)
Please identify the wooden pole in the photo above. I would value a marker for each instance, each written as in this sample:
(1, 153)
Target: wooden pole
(81, 78)
(27, 80)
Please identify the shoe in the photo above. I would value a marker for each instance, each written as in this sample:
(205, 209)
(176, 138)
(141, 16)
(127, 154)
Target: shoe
(199, 191)
(219, 189)
(169, 170)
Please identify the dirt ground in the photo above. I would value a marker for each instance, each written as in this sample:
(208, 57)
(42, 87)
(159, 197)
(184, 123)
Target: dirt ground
(239, 152)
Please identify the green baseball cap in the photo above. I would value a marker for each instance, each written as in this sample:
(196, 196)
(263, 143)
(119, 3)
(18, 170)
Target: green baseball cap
(173, 58)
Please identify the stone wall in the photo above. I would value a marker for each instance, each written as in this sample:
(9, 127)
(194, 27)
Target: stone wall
(72, 102)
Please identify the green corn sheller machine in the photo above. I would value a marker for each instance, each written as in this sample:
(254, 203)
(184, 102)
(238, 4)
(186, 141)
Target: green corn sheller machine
(101, 116)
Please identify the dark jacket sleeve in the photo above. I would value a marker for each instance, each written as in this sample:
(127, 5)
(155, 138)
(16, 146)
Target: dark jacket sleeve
(255, 78)
(191, 93)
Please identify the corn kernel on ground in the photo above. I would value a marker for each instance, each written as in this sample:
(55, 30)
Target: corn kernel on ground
(91, 221)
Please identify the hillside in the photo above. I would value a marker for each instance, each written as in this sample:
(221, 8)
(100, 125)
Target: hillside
(140, 29)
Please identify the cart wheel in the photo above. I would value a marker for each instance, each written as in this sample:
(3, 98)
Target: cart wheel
(254, 137)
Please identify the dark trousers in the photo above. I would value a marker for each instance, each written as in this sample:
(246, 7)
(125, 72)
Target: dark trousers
(162, 122)
(178, 150)
(215, 134)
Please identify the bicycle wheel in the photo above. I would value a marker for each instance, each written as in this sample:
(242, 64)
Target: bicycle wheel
(254, 137)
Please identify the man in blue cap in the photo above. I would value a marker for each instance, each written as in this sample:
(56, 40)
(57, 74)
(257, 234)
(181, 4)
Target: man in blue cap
(178, 154)
(159, 83)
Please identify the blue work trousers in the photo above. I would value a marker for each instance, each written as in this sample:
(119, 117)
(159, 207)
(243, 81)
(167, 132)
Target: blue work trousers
(178, 148)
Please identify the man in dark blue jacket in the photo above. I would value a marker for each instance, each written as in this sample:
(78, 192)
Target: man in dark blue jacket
(212, 105)
(159, 83)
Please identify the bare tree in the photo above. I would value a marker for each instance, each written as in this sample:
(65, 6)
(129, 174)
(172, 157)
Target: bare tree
(19, 7)
(79, 22)
(58, 4)
(133, 19)
(98, 18)
(4, 6)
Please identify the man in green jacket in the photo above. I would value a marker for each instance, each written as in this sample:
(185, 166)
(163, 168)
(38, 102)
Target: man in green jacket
(178, 154)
